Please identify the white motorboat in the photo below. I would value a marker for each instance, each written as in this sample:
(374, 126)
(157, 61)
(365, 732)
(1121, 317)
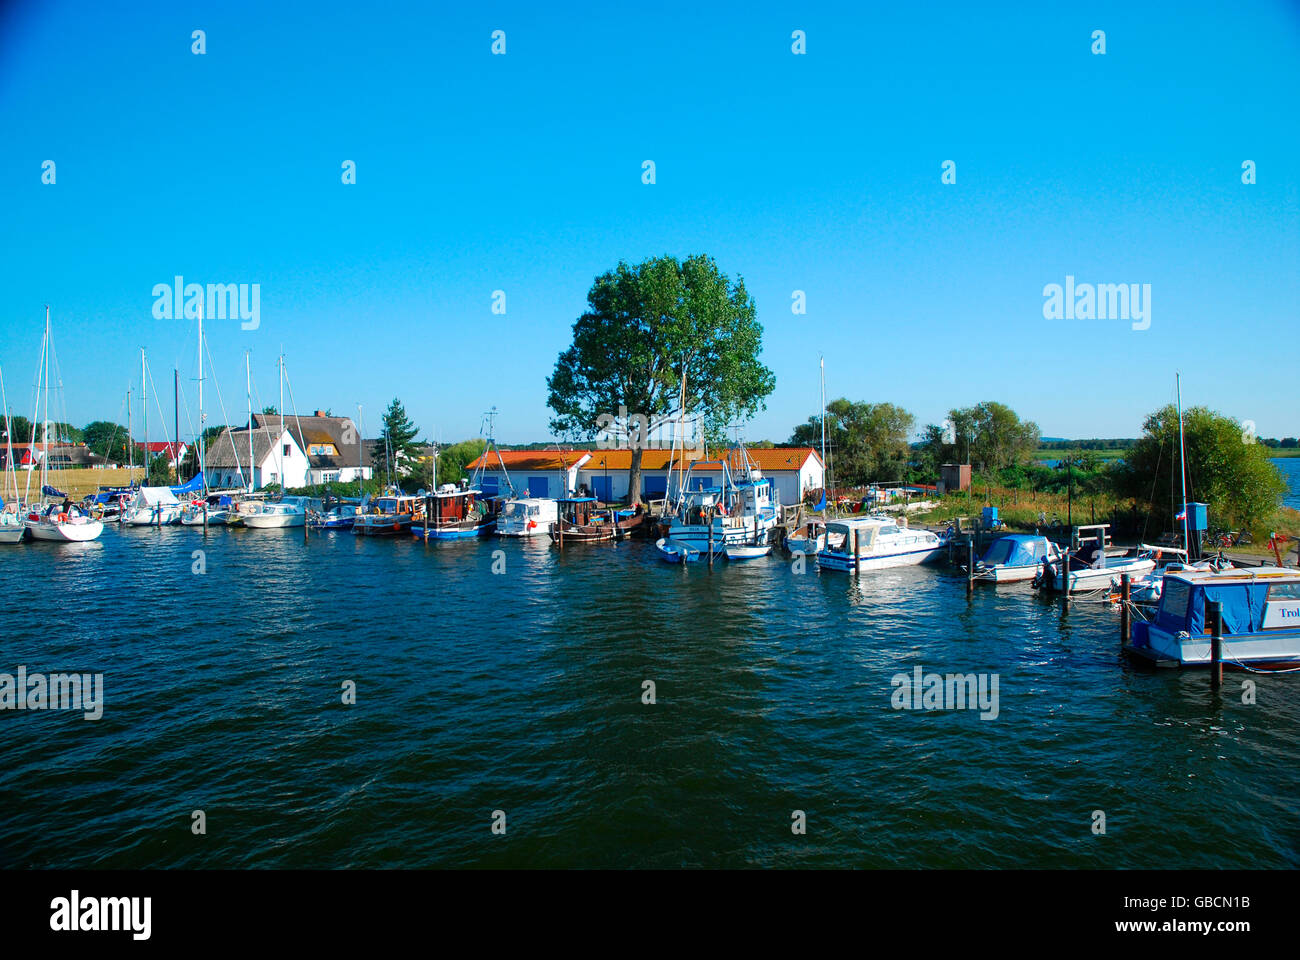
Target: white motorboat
(1014, 558)
(876, 543)
(288, 512)
(674, 551)
(528, 517)
(746, 552)
(736, 512)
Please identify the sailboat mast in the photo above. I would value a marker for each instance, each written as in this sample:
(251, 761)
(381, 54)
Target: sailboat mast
(9, 439)
(1182, 463)
(144, 404)
(248, 387)
(45, 460)
(201, 474)
(280, 446)
(824, 471)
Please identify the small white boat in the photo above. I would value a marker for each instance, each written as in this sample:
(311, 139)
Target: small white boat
(57, 525)
(152, 507)
(289, 512)
(12, 527)
(737, 552)
(1014, 558)
(528, 517)
(876, 543)
(676, 551)
(192, 515)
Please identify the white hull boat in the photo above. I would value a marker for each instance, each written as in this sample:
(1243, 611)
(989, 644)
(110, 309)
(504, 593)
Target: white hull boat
(747, 552)
(528, 517)
(877, 543)
(57, 527)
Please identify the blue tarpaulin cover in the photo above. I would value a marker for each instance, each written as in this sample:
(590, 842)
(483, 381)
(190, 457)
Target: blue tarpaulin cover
(194, 485)
(49, 491)
(1015, 550)
(1182, 606)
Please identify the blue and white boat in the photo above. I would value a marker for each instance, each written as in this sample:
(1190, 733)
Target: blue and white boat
(1015, 557)
(455, 512)
(876, 543)
(741, 509)
(1260, 610)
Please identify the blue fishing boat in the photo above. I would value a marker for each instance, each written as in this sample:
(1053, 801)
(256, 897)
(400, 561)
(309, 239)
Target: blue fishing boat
(1260, 613)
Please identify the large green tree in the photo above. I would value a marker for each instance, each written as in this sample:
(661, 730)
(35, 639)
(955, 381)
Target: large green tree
(107, 439)
(992, 436)
(866, 442)
(396, 447)
(647, 325)
(1226, 470)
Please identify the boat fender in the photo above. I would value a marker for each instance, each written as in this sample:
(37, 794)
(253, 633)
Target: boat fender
(63, 518)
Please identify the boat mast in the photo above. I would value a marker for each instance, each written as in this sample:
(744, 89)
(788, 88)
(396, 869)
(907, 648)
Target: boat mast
(278, 445)
(825, 471)
(45, 460)
(130, 441)
(144, 403)
(201, 473)
(9, 440)
(1182, 466)
(248, 386)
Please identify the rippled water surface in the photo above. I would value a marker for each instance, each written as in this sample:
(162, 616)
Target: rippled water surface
(521, 691)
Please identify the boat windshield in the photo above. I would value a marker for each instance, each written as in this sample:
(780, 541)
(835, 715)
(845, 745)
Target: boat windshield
(999, 551)
(1173, 600)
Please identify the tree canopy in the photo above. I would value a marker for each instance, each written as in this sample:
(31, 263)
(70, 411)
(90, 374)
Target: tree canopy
(1224, 469)
(397, 440)
(646, 325)
(865, 441)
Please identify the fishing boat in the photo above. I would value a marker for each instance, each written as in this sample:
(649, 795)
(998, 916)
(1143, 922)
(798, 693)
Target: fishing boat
(736, 512)
(876, 543)
(1260, 613)
(527, 517)
(455, 512)
(270, 515)
(1014, 558)
(582, 520)
(1146, 589)
(386, 516)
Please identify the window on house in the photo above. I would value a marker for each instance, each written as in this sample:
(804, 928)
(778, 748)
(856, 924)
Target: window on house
(286, 449)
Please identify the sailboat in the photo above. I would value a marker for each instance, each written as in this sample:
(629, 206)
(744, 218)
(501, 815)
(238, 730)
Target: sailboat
(12, 528)
(58, 523)
(813, 539)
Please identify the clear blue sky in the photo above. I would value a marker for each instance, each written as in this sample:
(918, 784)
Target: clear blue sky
(523, 173)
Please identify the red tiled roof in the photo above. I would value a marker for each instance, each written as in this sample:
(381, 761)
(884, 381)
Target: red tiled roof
(766, 459)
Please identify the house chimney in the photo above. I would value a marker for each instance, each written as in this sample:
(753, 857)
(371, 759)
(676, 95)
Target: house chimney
(320, 413)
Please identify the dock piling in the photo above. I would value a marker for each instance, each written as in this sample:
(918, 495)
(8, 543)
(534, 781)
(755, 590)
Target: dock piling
(1125, 590)
(857, 555)
(970, 566)
(1214, 611)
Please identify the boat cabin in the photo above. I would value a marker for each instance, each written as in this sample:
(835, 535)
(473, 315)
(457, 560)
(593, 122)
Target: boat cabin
(1017, 550)
(577, 511)
(454, 504)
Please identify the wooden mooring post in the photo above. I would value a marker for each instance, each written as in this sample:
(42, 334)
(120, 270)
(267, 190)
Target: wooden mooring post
(1125, 591)
(857, 554)
(1214, 610)
(970, 566)
(710, 539)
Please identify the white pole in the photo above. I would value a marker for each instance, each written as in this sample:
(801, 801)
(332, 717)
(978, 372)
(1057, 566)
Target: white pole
(45, 460)
(1182, 467)
(248, 385)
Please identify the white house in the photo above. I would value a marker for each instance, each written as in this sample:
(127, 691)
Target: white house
(334, 448)
(276, 458)
(604, 473)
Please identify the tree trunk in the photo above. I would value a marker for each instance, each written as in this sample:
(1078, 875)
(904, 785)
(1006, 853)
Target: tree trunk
(634, 476)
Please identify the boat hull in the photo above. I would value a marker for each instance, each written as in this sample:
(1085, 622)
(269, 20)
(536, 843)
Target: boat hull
(274, 521)
(1095, 578)
(13, 533)
(66, 532)
(455, 531)
(381, 527)
(906, 558)
(1007, 574)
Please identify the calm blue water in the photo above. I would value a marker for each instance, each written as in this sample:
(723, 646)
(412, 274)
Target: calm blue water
(1290, 467)
(520, 691)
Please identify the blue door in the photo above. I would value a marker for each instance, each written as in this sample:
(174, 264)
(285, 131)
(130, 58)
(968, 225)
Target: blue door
(489, 484)
(603, 486)
(656, 487)
(538, 487)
